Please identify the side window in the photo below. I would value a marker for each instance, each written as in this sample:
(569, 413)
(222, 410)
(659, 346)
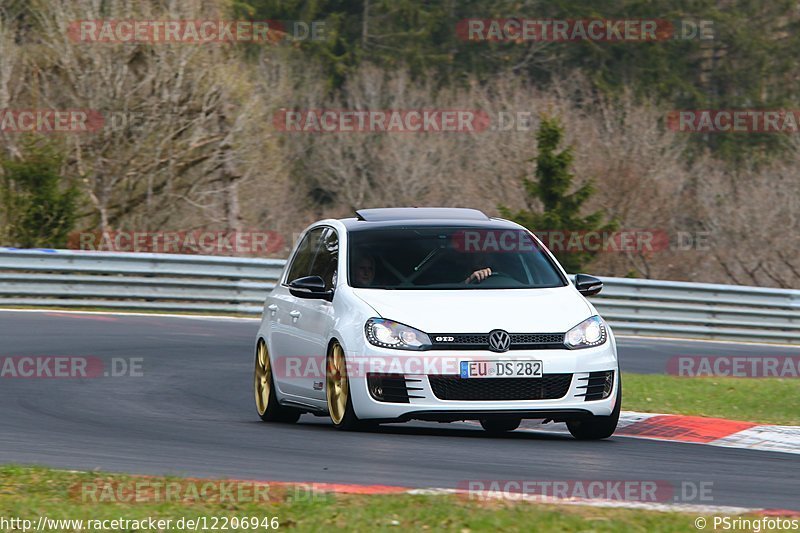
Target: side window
(326, 261)
(304, 256)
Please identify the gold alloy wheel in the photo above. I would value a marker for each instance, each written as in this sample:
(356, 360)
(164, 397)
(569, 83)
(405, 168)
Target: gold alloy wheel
(263, 378)
(337, 387)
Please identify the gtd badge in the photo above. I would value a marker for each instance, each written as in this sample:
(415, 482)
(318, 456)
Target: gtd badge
(445, 339)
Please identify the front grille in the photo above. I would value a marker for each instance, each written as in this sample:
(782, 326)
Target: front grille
(537, 338)
(548, 387)
(392, 388)
(480, 341)
(597, 386)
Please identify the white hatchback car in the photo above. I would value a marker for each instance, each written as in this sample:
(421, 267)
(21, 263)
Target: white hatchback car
(436, 314)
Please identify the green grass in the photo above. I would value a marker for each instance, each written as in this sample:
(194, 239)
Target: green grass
(32, 492)
(765, 400)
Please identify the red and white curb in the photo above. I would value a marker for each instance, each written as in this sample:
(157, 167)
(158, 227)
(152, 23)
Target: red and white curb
(711, 431)
(696, 430)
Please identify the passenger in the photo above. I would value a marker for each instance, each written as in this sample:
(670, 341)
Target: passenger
(364, 272)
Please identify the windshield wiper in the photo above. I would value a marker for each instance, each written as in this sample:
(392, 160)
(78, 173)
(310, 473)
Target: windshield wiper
(427, 258)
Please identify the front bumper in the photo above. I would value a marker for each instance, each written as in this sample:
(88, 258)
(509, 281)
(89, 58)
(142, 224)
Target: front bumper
(424, 404)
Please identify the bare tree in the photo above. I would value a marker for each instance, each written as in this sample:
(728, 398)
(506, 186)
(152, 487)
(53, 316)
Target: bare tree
(169, 147)
(753, 215)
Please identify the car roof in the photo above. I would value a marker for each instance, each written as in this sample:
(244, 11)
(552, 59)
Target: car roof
(385, 214)
(407, 217)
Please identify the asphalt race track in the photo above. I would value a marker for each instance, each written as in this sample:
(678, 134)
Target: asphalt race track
(191, 412)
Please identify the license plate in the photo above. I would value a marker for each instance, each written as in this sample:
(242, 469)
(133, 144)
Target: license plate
(501, 369)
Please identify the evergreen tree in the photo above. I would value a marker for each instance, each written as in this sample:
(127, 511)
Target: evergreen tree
(561, 209)
(38, 210)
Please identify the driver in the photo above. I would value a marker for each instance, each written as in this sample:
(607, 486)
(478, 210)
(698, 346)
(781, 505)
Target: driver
(479, 275)
(482, 270)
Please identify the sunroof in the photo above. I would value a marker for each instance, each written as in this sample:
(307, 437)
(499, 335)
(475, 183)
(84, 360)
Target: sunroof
(417, 213)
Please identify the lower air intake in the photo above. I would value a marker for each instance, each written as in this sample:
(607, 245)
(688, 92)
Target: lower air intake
(548, 387)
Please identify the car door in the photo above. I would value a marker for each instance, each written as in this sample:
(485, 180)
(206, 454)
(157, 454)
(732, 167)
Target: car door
(315, 319)
(288, 344)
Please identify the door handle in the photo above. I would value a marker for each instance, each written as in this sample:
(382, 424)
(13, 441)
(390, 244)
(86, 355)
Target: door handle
(294, 314)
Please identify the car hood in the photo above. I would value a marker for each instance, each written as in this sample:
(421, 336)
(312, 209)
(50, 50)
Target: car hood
(553, 310)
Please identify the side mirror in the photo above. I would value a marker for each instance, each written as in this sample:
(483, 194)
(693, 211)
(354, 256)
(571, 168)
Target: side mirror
(310, 287)
(588, 285)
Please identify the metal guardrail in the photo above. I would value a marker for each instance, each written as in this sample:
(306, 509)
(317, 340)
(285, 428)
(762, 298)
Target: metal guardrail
(206, 284)
(700, 310)
(155, 282)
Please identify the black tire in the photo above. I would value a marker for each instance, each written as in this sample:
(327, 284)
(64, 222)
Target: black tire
(597, 427)
(272, 411)
(499, 425)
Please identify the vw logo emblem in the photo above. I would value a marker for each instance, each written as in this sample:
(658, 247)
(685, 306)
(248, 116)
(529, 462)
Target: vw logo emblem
(499, 340)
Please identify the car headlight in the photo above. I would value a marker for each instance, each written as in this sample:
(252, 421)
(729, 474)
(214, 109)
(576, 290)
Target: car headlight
(590, 332)
(391, 334)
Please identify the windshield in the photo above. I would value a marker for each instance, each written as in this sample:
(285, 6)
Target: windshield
(449, 258)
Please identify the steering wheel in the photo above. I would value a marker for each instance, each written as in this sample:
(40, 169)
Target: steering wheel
(494, 278)
(500, 279)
